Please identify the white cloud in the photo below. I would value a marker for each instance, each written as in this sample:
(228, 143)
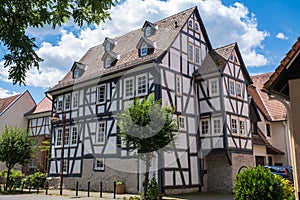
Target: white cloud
(6, 93)
(281, 36)
(224, 25)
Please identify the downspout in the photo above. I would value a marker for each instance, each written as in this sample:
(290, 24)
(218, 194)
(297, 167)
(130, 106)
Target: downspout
(291, 137)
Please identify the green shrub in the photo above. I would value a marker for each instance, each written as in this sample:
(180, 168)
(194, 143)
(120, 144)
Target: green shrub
(153, 192)
(35, 180)
(258, 184)
(15, 178)
(289, 191)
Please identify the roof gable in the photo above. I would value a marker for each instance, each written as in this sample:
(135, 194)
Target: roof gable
(6, 102)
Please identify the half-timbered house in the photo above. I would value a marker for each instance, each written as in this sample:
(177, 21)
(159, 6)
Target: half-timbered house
(172, 58)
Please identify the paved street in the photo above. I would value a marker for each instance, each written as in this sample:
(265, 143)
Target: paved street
(68, 194)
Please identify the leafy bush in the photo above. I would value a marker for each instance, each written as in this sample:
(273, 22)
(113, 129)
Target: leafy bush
(289, 191)
(36, 180)
(257, 184)
(153, 192)
(15, 178)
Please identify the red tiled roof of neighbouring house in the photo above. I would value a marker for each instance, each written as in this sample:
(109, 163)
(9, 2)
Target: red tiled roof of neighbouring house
(272, 109)
(44, 106)
(6, 102)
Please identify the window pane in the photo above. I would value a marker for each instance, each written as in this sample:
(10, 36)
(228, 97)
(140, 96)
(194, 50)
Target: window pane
(191, 52)
(178, 85)
(231, 88)
(204, 127)
(67, 101)
(144, 49)
(67, 136)
(238, 90)
(214, 89)
(197, 55)
(217, 126)
(101, 93)
(129, 87)
(242, 127)
(142, 84)
(101, 133)
(234, 126)
(74, 135)
(58, 137)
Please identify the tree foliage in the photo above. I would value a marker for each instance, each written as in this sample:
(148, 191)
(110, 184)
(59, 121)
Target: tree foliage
(147, 126)
(15, 148)
(18, 15)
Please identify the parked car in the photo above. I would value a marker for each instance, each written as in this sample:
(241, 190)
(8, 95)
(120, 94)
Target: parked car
(284, 171)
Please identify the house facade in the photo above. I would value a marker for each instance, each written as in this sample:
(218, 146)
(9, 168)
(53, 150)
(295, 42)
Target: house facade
(12, 110)
(270, 135)
(173, 59)
(39, 126)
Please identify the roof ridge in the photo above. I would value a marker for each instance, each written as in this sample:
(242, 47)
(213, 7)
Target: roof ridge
(227, 45)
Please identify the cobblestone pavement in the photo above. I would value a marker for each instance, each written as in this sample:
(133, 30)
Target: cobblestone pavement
(69, 194)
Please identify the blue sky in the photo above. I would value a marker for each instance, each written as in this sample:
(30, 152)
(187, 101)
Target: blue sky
(265, 30)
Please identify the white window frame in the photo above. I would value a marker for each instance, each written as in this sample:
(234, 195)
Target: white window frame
(242, 131)
(67, 136)
(99, 87)
(190, 23)
(208, 126)
(178, 84)
(191, 52)
(238, 93)
(58, 140)
(212, 90)
(217, 130)
(182, 123)
(144, 49)
(138, 84)
(231, 90)
(126, 86)
(74, 136)
(101, 134)
(75, 100)
(236, 125)
(108, 62)
(67, 104)
(96, 167)
(60, 102)
(197, 55)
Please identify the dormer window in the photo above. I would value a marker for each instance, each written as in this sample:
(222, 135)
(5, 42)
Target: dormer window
(78, 69)
(108, 62)
(148, 31)
(109, 44)
(107, 47)
(76, 73)
(144, 49)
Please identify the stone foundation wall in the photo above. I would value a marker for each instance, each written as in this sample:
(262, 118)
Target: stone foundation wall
(221, 175)
(107, 177)
(181, 190)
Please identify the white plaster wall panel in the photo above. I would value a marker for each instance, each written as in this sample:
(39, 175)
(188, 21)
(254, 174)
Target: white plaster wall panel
(186, 177)
(230, 142)
(192, 144)
(205, 143)
(113, 106)
(93, 89)
(111, 147)
(80, 111)
(165, 60)
(120, 88)
(97, 148)
(190, 108)
(123, 153)
(168, 178)
(175, 59)
(194, 171)
(183, 157)
(93, 98)
(184, 69)
(52, 167)
(170, 159)
(164, 96)
(72, 153)
(204, 86)
(74, 114)
(178, 178)
(249, 145)
(77, 167)
(246, 110)
(243, 143)
(216, 103)
(184, 44)
(179, 104)
(186, 85)
(192, 125)
(181, 142)
(87, 110)
(203, 52)
(58, 152)
(217, 142)
(170, 82)
(39, 121)
(228, 106)
(176, 42)
(204, 107)
(81, 97)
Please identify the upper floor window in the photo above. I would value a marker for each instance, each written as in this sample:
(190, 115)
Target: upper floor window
(196, 26)
(67, 102)
(75, 100)
(99, 164)
(234, 127)
(214, 87)
(128, 87)
(242, 127)
(197, 55)
(178, 85)
(231, 87)
(60, 102)
(59, 137)
(67, 136)
(74, 136)
(182, 122)
(190, 23)
(100, 136)
(101, 93)
(191, 52)
(204, 126)
(141, 84)
(238, 89)
(66, 166)
(268, 128)
(217, 127)
(144, 49)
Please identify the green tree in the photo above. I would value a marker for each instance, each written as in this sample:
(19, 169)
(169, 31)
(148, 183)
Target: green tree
(15, 148)
(147, 126)
(18, 15)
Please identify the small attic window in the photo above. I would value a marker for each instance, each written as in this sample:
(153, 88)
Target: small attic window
(196, 26)
(231, 57)
(108, 47)
(148, 31)
(144, 49)
(76, 73)
(107, 63)
(190, 23)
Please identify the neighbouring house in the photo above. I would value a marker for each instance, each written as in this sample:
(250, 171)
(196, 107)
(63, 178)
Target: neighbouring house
(270, 135)
(284, 86)
(12, 111)
(39, 126)
(172, 58)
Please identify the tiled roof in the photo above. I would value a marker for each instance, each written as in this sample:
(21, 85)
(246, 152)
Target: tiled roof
(44, 106)
(166, 33)
(5, 102)
(281, 68)
(272, 109)
(255, 94)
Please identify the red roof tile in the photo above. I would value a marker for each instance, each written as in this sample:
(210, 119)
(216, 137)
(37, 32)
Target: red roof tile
(272, 109)
(44, 106)
(5, 102)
